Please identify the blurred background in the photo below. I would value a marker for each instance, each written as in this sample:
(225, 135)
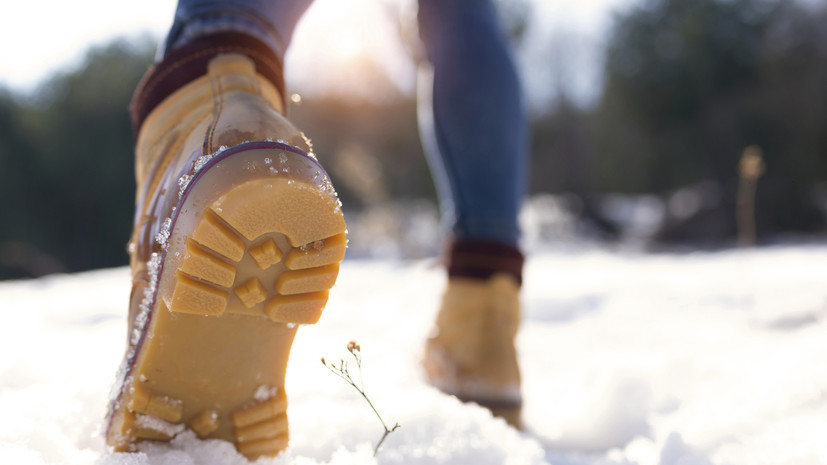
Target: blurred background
(657, 124)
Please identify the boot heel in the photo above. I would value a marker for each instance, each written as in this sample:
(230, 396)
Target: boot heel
(252, 249)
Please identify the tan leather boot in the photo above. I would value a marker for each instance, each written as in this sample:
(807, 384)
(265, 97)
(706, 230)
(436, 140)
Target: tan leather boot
(471, 352)
(238, 237)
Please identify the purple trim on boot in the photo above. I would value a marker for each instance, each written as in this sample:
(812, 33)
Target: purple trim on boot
(189, 62)
(482, 259)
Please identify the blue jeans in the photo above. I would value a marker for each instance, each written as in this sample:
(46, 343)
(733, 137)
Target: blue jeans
(473, 123)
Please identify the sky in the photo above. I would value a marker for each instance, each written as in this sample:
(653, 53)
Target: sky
(324, 53)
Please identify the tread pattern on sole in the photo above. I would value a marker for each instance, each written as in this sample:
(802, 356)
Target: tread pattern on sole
(215, 235)
(201, 264)
(197, 297)
(217, 269)
(261, 429)
(154, 405)
(154, 428)
(262, 249)
(205, 423)
(251, 293)
(317, 253)
(299, 308)
(307, 280)
(266, 254)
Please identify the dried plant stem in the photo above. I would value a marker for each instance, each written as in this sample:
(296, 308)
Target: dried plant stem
(342, 372)
(750, 168)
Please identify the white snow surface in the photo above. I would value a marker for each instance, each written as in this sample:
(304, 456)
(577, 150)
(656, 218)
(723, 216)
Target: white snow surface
(627, 358)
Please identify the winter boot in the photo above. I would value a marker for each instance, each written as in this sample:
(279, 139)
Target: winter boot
(238, 237)
(471, 352)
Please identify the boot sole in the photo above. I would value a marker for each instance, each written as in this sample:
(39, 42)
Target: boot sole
(252, 252)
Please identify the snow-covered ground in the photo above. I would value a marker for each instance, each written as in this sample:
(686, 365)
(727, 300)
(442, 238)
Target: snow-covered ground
(706, 358)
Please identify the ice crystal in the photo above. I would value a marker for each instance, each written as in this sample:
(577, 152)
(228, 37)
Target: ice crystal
(153, 267)
(156, 424)
(265, 392)
(308, 142)
(183, 183)
(315, 246)
(163, 235)
(200, 162)
(120, 379)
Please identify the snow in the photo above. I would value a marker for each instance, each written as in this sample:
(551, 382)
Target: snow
(627, 358)
(159, 425)
(265, 392)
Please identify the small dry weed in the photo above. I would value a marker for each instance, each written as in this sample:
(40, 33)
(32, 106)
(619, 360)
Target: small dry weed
(341, 370)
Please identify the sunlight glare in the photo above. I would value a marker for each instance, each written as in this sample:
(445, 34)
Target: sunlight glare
(348, 49)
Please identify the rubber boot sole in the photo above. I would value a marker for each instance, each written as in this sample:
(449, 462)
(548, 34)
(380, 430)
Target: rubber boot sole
(252, 251)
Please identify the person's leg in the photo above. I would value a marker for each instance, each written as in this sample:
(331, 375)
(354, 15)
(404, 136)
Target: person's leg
(271, 21)
(478, 118)
(237, 237)
(474, 129)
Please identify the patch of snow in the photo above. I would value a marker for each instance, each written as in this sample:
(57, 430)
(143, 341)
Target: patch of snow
(265, 392)
(627, 358)
(156, 424)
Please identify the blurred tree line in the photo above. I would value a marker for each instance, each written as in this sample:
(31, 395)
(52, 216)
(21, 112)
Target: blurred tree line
(688, 85)
(66, 166)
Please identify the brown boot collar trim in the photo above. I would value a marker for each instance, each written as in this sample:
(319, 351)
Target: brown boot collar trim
(484, 259)
(189, 62)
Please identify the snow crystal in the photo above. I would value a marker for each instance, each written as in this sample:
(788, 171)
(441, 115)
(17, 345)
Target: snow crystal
(183, 183)
(315, 246)
(156, 424)
(265, 392)
(201, 162)
(308, 142)
(153, 267)
(163, 235)
(154, 264)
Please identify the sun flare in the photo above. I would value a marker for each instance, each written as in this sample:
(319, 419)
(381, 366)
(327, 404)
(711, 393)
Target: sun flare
(347, 48)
